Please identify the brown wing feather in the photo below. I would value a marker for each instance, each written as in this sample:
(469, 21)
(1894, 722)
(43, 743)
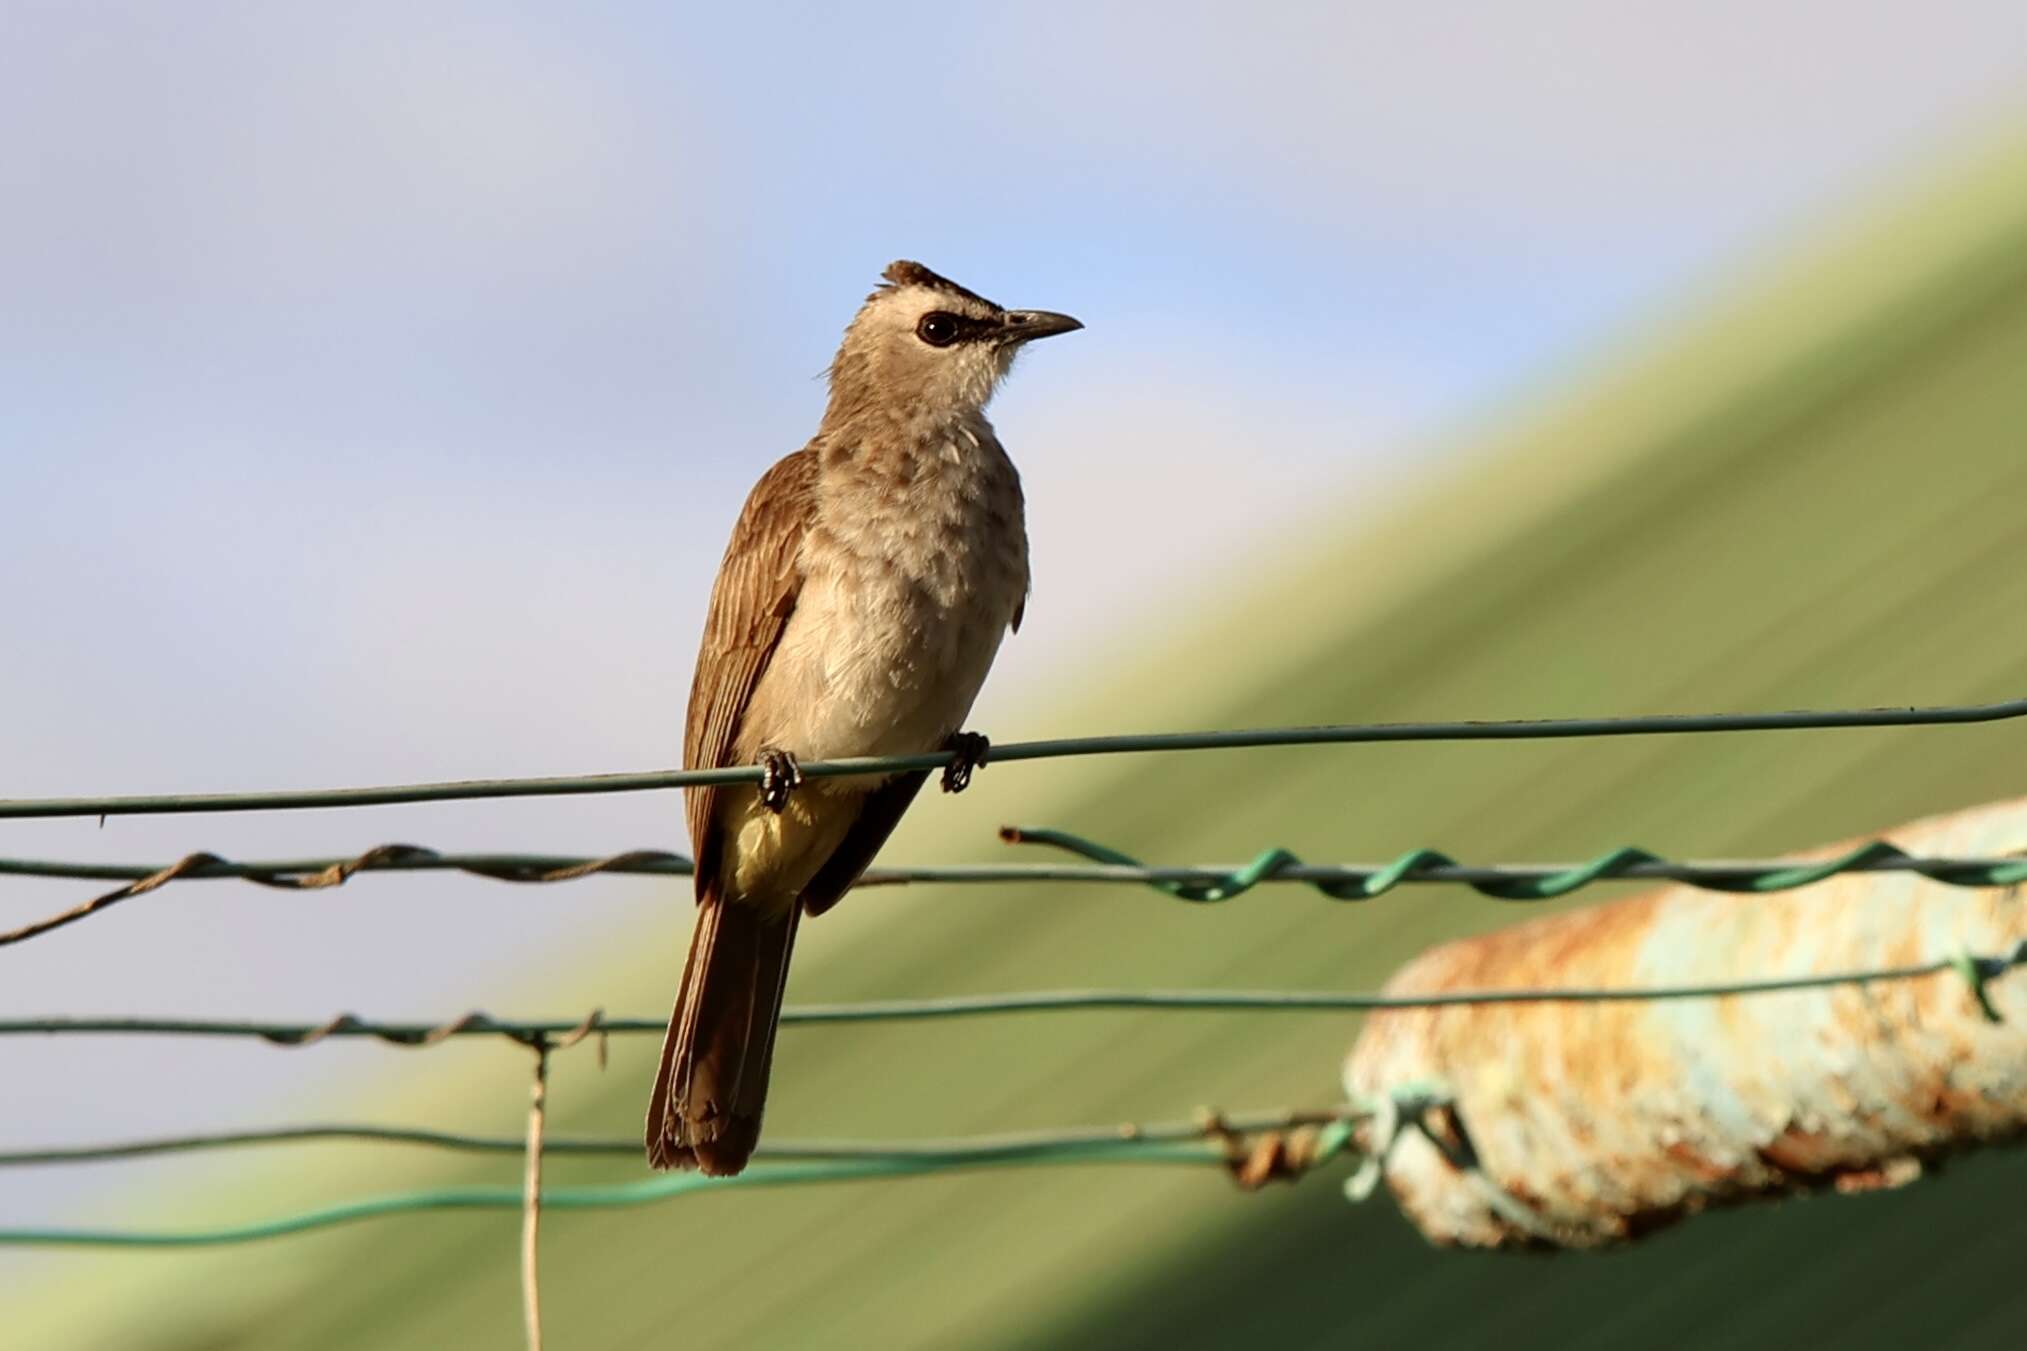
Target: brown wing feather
(756, 591)
(878, 815)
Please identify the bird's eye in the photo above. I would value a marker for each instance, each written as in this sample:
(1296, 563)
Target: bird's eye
(937, 328)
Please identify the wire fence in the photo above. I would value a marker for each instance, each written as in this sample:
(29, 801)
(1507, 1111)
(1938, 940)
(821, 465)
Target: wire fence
(1254, 1149)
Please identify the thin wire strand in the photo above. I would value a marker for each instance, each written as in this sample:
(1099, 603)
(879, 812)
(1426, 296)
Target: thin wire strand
(1211, 1140)
(333, 872)
(965, 1147)
(1343, 734)
(568, 1198)
(1975, 969)
(296, 873)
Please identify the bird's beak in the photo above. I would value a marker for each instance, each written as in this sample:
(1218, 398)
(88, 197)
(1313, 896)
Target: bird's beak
(1019, 326)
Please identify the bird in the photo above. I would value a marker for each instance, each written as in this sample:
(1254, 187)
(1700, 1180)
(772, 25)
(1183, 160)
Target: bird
(869, 582)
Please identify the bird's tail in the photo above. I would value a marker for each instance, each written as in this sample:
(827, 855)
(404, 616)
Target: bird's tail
(708, 1096)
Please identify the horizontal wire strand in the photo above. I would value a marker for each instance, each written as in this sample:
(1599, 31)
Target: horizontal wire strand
(1976, 970)
(1629, 863)
(1340, 734)
(786, 1151)
(573, 1198)
(1214, 1139)
(1343, 882)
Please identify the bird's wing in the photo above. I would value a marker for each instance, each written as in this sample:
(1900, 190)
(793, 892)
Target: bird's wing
(879, 813)
(757, 587)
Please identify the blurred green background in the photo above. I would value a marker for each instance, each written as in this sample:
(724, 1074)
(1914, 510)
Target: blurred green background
(1808, 493)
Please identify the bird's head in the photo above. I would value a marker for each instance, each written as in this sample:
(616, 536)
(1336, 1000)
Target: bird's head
(923, 348)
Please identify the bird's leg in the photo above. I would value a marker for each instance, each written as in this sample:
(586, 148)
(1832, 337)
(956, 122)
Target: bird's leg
(971, 749)
(780, 775)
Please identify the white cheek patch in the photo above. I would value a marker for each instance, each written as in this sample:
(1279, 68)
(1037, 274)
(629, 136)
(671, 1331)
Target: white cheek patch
(978, 371)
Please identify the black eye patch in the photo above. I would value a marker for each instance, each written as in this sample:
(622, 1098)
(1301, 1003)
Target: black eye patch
(941, 328)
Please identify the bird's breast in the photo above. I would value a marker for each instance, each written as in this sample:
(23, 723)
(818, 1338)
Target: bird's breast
(909, 584)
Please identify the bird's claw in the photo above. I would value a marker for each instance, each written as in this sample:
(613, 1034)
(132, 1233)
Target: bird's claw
(780, 776)
(971, 749)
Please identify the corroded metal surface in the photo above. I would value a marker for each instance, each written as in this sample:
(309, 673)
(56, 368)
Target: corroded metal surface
(1582, 1125)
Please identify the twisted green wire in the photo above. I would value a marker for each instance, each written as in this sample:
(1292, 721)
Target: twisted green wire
(1627, 862)
(1345, 881)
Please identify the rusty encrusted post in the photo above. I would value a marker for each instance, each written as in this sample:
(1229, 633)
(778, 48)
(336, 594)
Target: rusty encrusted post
(1586, 1124)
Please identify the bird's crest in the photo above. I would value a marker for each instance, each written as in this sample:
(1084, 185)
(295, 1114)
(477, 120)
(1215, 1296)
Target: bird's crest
(906, 273)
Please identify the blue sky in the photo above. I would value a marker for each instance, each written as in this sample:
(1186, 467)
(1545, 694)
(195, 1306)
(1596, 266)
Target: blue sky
(378, 382)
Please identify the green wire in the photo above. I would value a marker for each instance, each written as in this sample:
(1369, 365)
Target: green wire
(1537, 884)
(1349, 882)
(598, 1197)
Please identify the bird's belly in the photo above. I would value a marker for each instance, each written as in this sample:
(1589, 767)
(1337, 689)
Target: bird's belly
(878, 670)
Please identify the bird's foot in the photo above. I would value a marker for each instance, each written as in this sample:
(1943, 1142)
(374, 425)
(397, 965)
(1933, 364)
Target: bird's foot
(971, 749)
(780, 776)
